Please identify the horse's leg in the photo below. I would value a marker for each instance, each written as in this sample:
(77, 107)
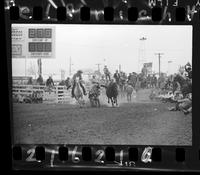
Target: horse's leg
(112, 102)
(116, 101)
(108, 100)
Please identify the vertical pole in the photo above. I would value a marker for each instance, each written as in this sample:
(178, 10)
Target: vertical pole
(25, 66)
(40, 66)
(159, 56)
(159, 63)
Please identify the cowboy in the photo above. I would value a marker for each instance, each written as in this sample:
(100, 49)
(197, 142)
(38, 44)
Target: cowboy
(94, 80)
(154, 81)
(129, 77)
(188, 69)
(148, 79)
(39, 80)
(78, 74)
(106, 72)
(117, 76)
(68, 82)
(95, 90)
(49, 82)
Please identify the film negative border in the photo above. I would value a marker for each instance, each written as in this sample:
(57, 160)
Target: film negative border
(132, 157)
(103, 157)
(127, 14)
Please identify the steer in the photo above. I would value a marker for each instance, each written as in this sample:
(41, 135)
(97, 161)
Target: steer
(112, 92)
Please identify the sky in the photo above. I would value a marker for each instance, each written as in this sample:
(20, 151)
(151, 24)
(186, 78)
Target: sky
(89, 45)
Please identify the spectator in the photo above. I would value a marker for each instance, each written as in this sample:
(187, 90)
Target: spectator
(39, 80)
(148, 81)
(30, 81)
(154, 81)
(94, 80)
(68, 82)
(184, 105)
(49, 82)
(116, 76)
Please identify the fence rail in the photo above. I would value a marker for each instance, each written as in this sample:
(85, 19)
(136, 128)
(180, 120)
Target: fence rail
(58, 94)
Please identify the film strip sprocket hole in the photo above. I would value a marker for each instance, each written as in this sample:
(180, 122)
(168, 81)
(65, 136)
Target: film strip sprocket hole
(132, 13)
(154, 85)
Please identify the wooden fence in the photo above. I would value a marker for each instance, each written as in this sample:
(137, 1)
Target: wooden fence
(59, 94)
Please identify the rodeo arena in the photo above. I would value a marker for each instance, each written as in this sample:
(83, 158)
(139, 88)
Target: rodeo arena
(106, 108)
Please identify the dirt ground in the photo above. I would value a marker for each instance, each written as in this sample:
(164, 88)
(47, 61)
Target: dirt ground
(141, 122)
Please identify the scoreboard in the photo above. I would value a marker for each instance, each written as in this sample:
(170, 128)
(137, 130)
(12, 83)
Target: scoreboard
(33, 41)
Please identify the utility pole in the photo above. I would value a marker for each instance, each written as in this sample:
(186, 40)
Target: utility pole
(159, 56)
(142, 55)
(39, 61)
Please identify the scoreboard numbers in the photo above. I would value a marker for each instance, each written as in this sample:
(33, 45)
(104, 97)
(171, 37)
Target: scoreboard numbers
(40, 33)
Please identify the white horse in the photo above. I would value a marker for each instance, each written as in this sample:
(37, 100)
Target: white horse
(78, 94)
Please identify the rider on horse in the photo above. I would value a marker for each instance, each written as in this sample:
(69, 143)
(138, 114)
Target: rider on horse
(106, 72)
(50, 82)
(78, 74)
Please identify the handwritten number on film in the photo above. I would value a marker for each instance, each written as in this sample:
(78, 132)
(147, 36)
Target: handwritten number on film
(146, 155)
(75, 159)
(31, 153)
(100, 154)
(52, 157)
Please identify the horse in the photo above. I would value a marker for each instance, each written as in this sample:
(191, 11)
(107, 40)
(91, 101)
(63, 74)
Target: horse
(78, 94)
(185, 85)
(129, 90)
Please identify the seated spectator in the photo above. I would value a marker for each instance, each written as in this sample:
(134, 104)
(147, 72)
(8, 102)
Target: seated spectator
(184, 105)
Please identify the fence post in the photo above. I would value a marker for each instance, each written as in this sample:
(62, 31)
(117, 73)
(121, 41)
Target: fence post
(57, 94)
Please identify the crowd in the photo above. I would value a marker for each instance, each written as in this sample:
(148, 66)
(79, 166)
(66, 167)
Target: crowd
(175, 88)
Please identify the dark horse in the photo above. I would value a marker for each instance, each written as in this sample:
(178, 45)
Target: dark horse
(185, 85)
